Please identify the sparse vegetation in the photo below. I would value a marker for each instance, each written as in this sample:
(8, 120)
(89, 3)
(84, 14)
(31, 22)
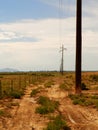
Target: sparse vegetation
(13, 87)
(46, 105)
(11, 104)
(64, 86)
(49, 84)
(58, 123)
(4, 113)
(84, 100)
(34, 92)
(84, 87)
(1, 112)
(94, 77)
(16, 94)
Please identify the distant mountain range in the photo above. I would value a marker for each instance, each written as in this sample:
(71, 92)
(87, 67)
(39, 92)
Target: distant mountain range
(8, 70)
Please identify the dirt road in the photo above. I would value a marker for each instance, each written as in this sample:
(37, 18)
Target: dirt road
(25, 118)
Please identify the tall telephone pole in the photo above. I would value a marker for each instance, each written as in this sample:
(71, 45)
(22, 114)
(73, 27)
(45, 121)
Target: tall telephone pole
(62, 59)
(78, 46)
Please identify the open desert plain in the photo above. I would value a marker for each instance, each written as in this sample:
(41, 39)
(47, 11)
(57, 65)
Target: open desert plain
(47, 101)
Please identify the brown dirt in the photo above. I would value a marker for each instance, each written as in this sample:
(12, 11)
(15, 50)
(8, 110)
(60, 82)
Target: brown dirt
(78, 117)
(25, 118)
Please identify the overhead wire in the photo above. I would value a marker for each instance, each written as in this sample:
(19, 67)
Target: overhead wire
(61, 22)
(59, 30)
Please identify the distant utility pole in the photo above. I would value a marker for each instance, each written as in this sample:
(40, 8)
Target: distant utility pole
(78, 46)
(62, 59)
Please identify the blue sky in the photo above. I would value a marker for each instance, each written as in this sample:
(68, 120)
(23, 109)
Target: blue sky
(12, 10)
(32, 31)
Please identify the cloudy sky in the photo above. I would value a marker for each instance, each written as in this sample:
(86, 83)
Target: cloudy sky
(32, 31)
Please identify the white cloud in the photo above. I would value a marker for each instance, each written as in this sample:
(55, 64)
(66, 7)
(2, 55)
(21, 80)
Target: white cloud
(44, 52)
(90, 7)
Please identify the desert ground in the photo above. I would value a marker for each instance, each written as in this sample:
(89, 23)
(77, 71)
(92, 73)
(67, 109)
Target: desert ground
(29, 111)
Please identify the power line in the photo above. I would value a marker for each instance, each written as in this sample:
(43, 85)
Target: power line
(60, 21)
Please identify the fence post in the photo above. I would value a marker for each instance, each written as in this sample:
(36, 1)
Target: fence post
(0, 88)
(12, 85)
(20, 81)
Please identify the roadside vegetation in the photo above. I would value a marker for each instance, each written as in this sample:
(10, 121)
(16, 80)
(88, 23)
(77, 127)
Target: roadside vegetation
(49, 84)
(34, 92)
(85, 100)
(57, 123)
(46, 105)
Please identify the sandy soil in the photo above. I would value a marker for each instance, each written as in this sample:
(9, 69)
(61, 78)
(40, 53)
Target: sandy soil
(25, 118)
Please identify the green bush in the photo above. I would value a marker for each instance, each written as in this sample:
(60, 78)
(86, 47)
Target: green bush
(79, 101)
(84, 87)
(16, 94)
(57, 124)
(43, 100)
(85, 100)
(34, 92)
(73, 96)
(46, 105)
(88, 102)
(63, 86)
(48, 84)
(44, 110)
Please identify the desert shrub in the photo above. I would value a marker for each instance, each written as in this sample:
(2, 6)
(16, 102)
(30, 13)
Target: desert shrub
(63, 86)
(48, 84)
(16, 94)
(84, 87)
(79, 101)
(57, 124)
(1, 112)
(13, 94)
(94, 97)
(88, 102)
(47, 74)
(73, 96)
(96, 104)
(43, 100)
(34, 81)
(45, 110)
(11, 104)
(46, 105)
(94, 77)
(5, 113)
(85, 100)
(34, 92)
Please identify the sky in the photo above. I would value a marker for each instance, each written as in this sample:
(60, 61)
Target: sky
(32, 32)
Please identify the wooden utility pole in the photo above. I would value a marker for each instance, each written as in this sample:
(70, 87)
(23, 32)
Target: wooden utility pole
(78, 46)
